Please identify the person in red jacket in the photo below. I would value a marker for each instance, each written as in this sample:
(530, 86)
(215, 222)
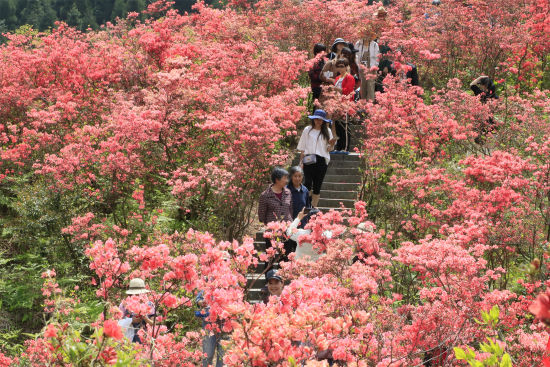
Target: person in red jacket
(345, 84)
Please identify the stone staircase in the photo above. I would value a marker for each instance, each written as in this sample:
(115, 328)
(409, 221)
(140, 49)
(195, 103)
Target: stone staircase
(339, 188)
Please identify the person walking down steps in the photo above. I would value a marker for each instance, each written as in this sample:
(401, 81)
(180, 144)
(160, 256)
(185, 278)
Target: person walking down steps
(314, 146)
(275, 205)
(345, 84)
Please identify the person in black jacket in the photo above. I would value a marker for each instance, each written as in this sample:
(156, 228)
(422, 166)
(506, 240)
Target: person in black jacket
(484, 87)
(385, 67)
(412, 74)
(315, 71)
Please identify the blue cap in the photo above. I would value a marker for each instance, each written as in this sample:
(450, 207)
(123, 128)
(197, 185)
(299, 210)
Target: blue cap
(272, 274)
(320, 114)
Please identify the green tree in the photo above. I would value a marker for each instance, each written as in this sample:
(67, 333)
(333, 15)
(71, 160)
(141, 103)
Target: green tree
(33, 13)
(74, 17)
(49, 15)
(89, 20)
(136, 5)
(119, 9)
(7, 13)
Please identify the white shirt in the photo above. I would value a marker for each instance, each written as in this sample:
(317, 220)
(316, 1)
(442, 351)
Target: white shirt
(312, 142)
(304, 248)
(367, 54)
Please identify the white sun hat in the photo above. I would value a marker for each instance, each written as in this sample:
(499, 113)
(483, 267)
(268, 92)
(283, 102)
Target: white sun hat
(137, 286)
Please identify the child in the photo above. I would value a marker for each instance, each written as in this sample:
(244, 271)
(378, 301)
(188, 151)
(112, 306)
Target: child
(274, 284)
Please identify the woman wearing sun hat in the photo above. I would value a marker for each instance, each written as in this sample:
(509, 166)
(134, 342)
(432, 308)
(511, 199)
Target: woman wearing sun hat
(130, 322)
(314, 146)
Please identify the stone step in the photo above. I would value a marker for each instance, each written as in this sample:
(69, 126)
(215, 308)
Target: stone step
(344, 164)
(335, 203)
(259, 246)
(259, 269)
(335, 170)
(254, 295)
(338, 186)
(329, 194)
(352, 157)
(353, 179)
(258, 283)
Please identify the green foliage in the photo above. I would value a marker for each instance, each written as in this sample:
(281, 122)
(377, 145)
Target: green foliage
(74, 17)
(489, 318)
(10, 341)
(41, 14)
(20, 284)
(497, 357)
(20, 299)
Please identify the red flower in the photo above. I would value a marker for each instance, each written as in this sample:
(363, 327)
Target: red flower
(112, 330)
(51, 331)
(541, 307)
(109, 355)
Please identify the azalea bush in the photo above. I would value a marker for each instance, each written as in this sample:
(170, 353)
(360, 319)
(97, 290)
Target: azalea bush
(139, 150)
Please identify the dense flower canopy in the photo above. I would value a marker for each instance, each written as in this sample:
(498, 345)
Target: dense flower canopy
(144, 125)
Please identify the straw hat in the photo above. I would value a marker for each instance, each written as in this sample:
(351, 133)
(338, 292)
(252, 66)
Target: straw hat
(137, 286)
(380, 13)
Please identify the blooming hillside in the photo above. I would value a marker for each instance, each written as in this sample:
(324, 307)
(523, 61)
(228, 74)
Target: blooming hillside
(140, 150)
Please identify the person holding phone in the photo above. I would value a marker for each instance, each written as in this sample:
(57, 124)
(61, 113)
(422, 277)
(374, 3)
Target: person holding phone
(329, 72)
(296, 230)
(130, 322)
(314, 146)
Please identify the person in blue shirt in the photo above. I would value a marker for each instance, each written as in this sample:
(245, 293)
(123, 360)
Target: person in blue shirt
(211, 343)
(300, 193)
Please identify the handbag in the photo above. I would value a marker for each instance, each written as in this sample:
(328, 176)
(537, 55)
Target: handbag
(309, 159)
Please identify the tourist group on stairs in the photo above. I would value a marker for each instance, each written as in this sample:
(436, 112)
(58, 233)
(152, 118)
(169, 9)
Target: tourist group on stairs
(357, 70)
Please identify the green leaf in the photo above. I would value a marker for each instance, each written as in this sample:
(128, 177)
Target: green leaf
(459, 353)
(495, 312)
(491, 361)
(485, 316)
(486, 348)
(506, 361)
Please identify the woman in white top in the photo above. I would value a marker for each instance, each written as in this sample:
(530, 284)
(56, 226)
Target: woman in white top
(368, 57)
(294, 232)
(315, 145)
